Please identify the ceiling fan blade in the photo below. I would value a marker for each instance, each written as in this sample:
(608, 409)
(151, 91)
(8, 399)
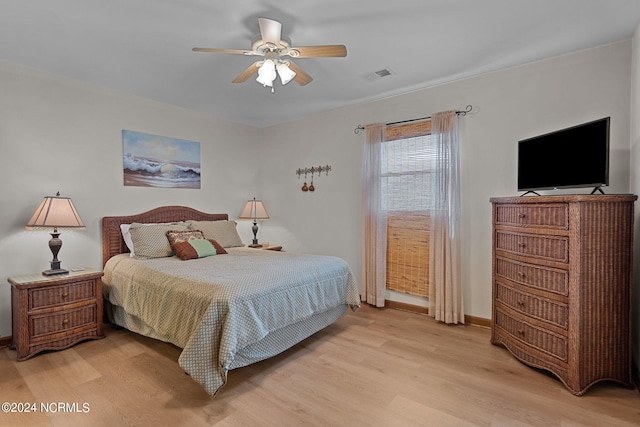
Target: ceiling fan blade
(233, 51)
(301, 77)
(327, 51)
(246, 74)
(270, 30)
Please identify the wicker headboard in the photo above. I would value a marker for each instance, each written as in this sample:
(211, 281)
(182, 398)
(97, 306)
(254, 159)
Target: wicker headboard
(112, 242)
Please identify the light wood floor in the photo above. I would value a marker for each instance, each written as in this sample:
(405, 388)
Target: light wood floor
(371, 368)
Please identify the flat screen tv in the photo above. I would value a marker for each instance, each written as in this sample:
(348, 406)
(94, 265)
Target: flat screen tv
(569, 158)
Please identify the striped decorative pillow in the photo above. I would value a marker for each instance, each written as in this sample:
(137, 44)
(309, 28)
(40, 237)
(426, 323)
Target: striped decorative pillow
(197, 248)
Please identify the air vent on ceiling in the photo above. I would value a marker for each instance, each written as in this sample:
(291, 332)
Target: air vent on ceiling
(377, 75)
(383, 73)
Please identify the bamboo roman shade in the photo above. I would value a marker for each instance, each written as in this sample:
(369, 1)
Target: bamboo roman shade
(406, 174)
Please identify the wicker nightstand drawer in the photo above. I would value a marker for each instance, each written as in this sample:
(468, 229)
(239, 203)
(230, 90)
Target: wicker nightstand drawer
(55, 312)
(59, 295)
(543, 216)
(548, 310)
(62, 321)
(551, 248)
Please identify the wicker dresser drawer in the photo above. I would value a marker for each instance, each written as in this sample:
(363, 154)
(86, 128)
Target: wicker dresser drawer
(554, 312)
(62, 321)
(552, 248)
(534, 276)
(59, 295)
(539, 216)
(538, 338)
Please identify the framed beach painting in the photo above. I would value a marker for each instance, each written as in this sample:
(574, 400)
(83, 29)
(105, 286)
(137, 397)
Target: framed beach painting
(160, 161)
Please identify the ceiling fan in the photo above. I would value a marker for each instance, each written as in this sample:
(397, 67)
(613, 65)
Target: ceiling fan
(274, 47)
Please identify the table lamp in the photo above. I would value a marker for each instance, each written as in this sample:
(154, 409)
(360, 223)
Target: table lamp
(254, 210)
(55, 212)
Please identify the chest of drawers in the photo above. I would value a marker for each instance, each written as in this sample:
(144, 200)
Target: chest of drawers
(562, 285)
(55, 312)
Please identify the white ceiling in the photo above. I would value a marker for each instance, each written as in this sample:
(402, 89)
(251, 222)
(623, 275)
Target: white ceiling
(144, 46)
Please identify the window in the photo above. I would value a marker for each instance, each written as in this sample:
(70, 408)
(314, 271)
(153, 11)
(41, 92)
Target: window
(406, 162)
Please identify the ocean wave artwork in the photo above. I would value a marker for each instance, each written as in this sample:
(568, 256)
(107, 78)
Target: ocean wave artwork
(160, 161)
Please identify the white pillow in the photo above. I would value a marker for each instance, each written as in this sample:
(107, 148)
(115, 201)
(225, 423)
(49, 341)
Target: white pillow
(126, 236)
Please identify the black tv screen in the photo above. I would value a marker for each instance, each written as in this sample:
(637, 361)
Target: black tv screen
(569, 158)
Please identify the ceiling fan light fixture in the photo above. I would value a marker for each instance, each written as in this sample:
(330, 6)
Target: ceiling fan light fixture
(267, 73)
(286, 74)
(273, 46)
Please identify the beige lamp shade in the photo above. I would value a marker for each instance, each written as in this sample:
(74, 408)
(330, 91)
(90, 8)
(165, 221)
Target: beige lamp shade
(55, 212)
(254, 209)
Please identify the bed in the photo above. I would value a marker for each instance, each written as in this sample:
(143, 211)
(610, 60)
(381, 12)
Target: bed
(225, 311)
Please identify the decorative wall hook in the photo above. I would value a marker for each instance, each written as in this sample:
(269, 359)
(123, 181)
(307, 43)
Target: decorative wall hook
(313, 170)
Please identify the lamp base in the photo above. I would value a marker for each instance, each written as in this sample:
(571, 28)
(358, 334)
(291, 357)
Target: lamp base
(55, 244)
(54, 272)
(255, 245)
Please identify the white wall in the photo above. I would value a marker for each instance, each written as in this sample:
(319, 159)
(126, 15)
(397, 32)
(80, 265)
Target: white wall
(509, 105)
(635, 187)
(62, 135)
(45, 119)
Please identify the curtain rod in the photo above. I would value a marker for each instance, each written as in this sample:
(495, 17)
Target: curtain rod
(459, 113)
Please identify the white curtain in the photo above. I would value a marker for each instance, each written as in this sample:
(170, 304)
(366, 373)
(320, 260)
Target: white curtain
(445, 289)
(374, 218)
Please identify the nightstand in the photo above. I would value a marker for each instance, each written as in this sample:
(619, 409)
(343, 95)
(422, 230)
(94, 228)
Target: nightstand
(55, 312)
(272, 248)
(269, 247)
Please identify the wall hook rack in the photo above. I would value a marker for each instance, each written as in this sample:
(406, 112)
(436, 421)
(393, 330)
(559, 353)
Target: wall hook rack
(313, 170)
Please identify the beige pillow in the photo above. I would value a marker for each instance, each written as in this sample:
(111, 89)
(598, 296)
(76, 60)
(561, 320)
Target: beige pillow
(150, 241)
(223, 232)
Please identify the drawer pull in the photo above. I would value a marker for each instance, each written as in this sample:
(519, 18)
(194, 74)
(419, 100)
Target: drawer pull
(65, 295)
(521, 274)
(522, 244)
(521, 332)
(522, 215)
(65, 321)
(521, 303)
